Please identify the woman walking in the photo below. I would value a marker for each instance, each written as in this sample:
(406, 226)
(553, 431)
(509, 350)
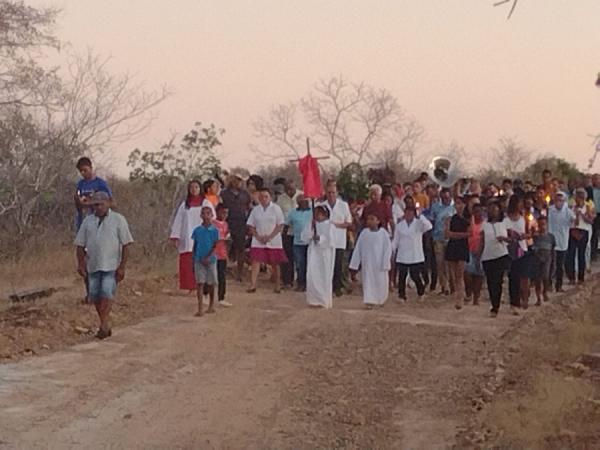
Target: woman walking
(473, 270)
(494, 255)
(457, 249)
(186, 220)
(265, 225)
(518, 277)
(579, 235)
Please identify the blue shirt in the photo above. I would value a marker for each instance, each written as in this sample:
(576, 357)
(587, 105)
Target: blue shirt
(439, 213)
(86, 188)
(299, 219)
(205, 239)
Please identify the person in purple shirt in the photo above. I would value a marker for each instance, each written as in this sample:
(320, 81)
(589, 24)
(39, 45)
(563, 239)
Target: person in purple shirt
(86, 187)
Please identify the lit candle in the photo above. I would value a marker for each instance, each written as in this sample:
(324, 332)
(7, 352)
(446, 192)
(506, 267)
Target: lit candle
(530, 217)
(417, 205)
(501, 193)
(547, 199)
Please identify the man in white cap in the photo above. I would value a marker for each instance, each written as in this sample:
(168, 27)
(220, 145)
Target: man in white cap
(105, 236)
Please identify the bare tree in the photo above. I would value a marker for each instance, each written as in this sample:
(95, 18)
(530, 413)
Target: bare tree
(347, 121)
(509, 157)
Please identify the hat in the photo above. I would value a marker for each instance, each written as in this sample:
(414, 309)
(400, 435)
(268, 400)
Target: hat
(99, 197)
(237, 175)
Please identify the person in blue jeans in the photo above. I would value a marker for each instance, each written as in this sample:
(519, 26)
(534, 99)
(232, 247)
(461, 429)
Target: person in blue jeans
(298, 219)
(102, 244)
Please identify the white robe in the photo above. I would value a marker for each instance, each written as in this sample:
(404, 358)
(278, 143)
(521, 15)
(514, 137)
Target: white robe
(319, 273)
(373, 254)
(184, 224)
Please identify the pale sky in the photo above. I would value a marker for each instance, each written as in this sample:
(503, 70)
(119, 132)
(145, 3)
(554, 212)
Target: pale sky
(463, 70)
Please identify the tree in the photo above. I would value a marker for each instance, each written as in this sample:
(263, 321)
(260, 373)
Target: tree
(508, 158)
(347, 121)
(48, 118)
(560, 169)
(194, 158)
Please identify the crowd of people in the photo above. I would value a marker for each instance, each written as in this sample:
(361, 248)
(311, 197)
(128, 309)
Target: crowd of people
(410, 236)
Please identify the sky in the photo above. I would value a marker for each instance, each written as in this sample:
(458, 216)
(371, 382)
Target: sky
(464, 71)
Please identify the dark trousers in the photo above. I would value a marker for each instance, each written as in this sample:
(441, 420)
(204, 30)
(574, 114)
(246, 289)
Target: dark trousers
(300, 258)
(595, 235)
(559, 269)
(287, 269)
(415, 271)
(338, 278)
(221, 278)
(514, 284)
(494, 274)
(576, 250)
(430, 270)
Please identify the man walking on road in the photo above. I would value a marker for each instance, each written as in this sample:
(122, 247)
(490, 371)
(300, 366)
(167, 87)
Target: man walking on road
(105, 236)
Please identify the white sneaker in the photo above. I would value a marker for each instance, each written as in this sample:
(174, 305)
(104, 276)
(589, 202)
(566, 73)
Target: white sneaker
(225, 304)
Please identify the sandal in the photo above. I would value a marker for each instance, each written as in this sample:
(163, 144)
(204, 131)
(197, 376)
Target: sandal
(251, 290)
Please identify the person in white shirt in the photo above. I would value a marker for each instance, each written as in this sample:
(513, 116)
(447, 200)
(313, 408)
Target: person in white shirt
(579, 236)
(494, 254)
(321, 260)
(560, 219)
(408, 243)
(518, 277)
(341, 218)
(373, 254)
(265, 224)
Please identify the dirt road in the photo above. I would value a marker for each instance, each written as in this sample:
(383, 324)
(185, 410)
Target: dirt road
(267, 373)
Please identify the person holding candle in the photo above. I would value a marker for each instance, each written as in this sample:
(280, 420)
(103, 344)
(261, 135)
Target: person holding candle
(517, 248)
(579, 235)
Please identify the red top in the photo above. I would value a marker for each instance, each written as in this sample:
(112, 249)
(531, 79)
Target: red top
(380, 209)
(195, 201)
(221, 247)
(475, 236)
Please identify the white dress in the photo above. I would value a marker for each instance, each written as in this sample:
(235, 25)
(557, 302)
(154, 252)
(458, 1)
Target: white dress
(184, 224)
(319, 273)
(373, 253)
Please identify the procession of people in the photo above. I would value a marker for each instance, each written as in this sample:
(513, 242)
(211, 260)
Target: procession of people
(411, 237)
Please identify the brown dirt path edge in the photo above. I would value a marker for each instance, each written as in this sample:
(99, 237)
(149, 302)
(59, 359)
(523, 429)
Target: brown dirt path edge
(268, 373)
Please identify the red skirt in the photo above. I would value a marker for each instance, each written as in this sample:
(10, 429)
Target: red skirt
(187, 280)
(268, 255)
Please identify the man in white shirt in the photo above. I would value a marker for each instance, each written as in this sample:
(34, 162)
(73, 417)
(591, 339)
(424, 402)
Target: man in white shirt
(560, 219)
(287, 201)
(341, 218)
(410, 258)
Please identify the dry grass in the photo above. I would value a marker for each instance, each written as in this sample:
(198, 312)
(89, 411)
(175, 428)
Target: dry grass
(546, 405)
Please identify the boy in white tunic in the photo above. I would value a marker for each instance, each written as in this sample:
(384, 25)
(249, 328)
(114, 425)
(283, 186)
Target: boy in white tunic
(321, 261)
(373, 253)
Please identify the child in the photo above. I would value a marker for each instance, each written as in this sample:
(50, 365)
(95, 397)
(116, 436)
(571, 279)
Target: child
(373, 253)
(321, 260)
(544, 245)
(221, 252)
(205, 238)
(88, 185)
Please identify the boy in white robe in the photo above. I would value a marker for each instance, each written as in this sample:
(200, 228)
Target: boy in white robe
(321, 260)
(373, 254)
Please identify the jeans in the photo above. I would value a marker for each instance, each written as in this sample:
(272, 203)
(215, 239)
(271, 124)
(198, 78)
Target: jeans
(300, 257)
(338, 279)
(559, 268)
(221, 278)
(576, 249)
(416, 274)
(287, 269)
(494, 273)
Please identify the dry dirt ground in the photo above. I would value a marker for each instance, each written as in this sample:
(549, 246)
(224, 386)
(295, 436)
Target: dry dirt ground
(267, 373)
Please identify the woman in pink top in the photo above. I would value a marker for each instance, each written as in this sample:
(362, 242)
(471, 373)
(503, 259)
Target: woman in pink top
(473, 269)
